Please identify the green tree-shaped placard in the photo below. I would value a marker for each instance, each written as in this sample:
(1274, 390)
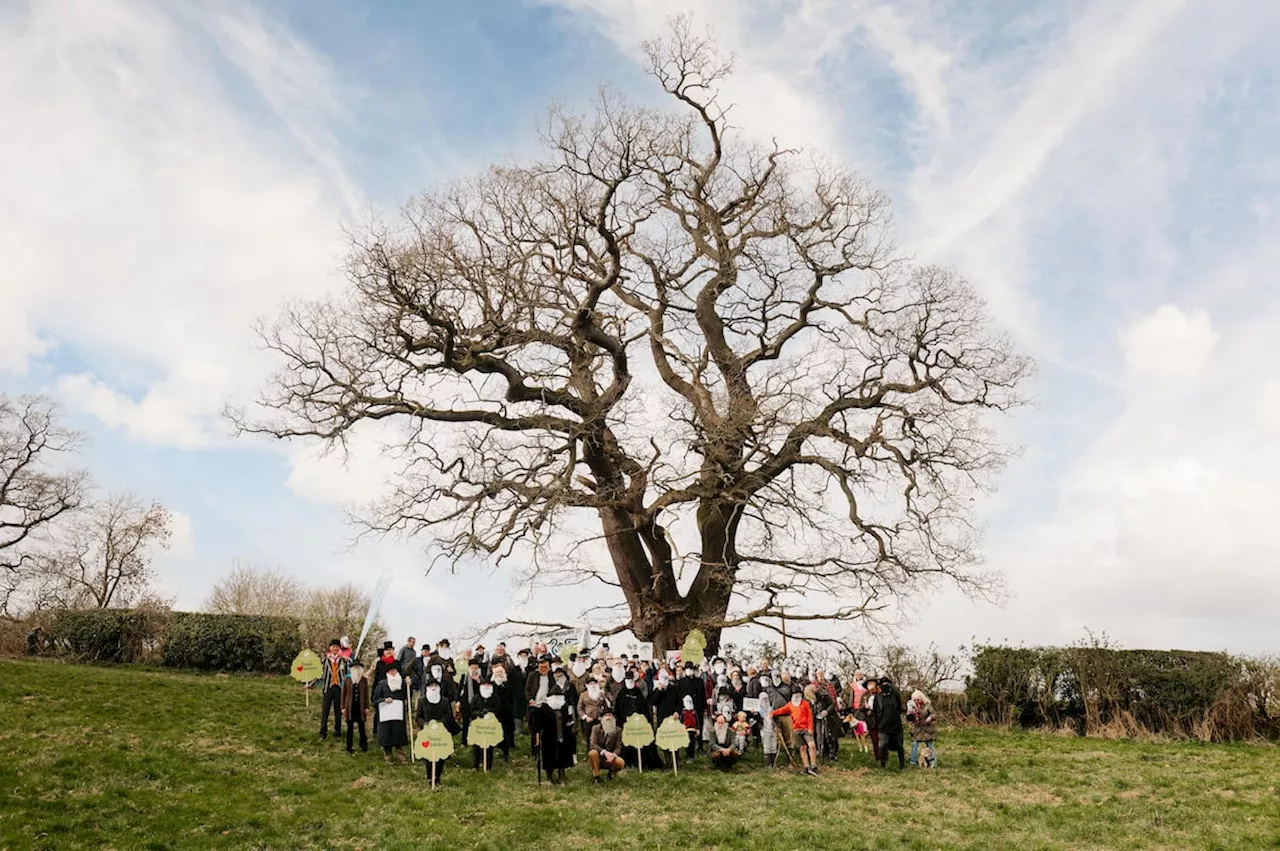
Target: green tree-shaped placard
(637, 733)
(305, 667)
(485, 732)
(433, 742)
(672, 735)
(694, 645)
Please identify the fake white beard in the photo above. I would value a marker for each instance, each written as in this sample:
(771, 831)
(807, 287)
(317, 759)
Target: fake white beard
(486, 693)
(433, 698)
(394, 682)
(355, 676)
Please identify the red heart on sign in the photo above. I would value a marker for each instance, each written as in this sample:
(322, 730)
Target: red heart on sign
(299, 669)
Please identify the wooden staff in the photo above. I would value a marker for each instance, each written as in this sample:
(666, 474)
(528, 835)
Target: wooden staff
(413, 752)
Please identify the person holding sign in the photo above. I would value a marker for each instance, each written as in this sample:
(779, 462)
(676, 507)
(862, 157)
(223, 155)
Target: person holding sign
(484, 701)
(393, 730)
(604, 747)
(434, 707)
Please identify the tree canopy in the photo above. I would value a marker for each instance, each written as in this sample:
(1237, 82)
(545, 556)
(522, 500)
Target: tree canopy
(705, 353)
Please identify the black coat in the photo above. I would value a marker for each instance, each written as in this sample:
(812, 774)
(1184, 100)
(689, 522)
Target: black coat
(663, 703)
(887, 710)
(391, 734)
(442, 712)
(481, 706)
(556, 736)
(630, 701)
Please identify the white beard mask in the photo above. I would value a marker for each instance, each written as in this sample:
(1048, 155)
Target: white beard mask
(522, 662)
(593, 692)
(486, 691)
(609, 726)
(795, 701)
(355, 675)
(618, 674)
(556, 702)
(394, 682)
(433, 695)
(446, 653)
(630, 683)
(499, 679)
(579, 669)
(437, 672)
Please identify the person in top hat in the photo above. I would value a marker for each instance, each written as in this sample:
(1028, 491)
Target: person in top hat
(386, 662)
(355, 705)
(333, 673)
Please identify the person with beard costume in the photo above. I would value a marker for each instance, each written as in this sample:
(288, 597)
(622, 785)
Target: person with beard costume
(604, 746)
(434, 707)
(664, 700)
(502, 691)
(553, 730)
(484, 701)
(888, 717)
(393, 736)
(355, 704)
(386, 662)
(631, 701)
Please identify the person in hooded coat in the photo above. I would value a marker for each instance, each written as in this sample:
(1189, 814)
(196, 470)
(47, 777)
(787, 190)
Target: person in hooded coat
(469, 693)
(435, 707)
(484, 702)
(393, 735)
(664, 700)
(888, 716)
(553, 730)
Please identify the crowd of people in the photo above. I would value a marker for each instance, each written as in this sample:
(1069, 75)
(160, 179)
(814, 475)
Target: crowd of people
(727, 709)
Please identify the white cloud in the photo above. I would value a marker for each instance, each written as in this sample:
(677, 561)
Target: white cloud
(1170, 345)
(156, 221)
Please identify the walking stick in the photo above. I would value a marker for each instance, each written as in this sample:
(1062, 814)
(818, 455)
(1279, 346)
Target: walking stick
(537, 749)
(786, 748)
(413, 752)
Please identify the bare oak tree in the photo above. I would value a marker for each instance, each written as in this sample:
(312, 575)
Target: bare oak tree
(252, 590)
(691, 341)
(33, 493)
(102, 558)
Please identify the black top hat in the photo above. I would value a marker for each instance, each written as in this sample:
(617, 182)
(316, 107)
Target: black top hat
(388, 645)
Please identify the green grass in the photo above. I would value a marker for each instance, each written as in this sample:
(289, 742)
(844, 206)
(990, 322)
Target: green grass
(132, 758)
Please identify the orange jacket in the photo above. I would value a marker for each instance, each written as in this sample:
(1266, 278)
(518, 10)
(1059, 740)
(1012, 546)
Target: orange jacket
(801, 716)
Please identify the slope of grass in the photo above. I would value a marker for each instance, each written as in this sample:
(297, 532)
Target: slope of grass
(131, 758)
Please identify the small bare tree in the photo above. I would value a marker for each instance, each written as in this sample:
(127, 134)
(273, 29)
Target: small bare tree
(252, 590)
(102, 558)
(333, 612)
(708, 350)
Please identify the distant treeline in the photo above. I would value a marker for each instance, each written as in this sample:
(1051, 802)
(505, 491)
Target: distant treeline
(157, 636)
(1094, 689)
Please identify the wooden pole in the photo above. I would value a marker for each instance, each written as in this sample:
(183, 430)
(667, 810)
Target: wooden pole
(408, 720)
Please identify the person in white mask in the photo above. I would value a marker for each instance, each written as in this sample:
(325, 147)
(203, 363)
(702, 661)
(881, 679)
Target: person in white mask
(355, 704)
(605, 746)
(389, 701)
(475, 705)
(554, 735)
(434, 707)
(506, 707)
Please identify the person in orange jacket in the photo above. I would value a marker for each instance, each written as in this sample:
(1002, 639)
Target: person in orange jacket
(801, 712)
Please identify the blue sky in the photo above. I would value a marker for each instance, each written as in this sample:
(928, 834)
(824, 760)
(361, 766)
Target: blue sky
(1105, 173)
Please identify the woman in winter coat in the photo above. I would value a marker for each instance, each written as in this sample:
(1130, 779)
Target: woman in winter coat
(924, 730)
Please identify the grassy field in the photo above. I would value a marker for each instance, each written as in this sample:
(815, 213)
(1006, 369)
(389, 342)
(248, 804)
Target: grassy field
(131, 758)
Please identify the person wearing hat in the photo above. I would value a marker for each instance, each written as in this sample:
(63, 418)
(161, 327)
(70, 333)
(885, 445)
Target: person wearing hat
(333, 672)
(469, 693)
(888, 715)
(434, 707)
(725, 748)
(604, 747)
(355, 704)
(392, 731)
(475, 705)
(386, 662)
